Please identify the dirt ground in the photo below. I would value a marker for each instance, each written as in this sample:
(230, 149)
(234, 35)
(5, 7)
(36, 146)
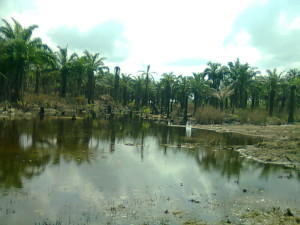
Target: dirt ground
(280, 143)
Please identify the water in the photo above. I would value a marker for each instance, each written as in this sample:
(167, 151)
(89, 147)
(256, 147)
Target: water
(130, 172)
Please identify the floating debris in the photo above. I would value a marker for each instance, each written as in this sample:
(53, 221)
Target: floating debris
(194, 201)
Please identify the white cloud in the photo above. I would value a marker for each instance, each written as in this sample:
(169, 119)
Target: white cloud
(158, 32)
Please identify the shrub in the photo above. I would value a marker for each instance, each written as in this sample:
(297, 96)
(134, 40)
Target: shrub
(131, 105)
(210, 115)
(274, 120)
(256, 116)
(146, 110)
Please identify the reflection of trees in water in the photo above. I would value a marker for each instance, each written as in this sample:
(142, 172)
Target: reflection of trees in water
(27, 147)
(208, 157)
(44, 142)
(73, 138)
(112, 138)
(267, 170)
(51, 141)
(16, 162)
(226, 161)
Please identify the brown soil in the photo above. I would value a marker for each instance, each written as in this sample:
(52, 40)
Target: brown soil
(280, 143)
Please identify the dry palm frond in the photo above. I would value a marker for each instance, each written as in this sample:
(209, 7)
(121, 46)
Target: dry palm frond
(224, 92)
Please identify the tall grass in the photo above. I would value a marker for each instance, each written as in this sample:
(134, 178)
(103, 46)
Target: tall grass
(210, 115)
(259, 116)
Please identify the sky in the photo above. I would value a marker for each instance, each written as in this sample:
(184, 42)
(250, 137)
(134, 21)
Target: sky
(169, 35)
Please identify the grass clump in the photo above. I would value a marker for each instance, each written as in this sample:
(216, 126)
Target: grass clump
(210, 115)
(257, 116)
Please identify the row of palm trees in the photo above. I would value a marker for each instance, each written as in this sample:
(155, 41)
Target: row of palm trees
(29, 65)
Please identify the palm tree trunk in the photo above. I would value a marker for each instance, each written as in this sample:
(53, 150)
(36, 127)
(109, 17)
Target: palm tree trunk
(116, 82)
(185, 109)
(196, 101)
(90, 87)
(18, 85)
(283, 100)
(271, 102)
(37, 81)
(292, 104)
(63, 83)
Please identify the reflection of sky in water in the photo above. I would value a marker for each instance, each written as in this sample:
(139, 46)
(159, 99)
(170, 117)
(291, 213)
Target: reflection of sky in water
(188, 130)
(25, 140)
(146, 181)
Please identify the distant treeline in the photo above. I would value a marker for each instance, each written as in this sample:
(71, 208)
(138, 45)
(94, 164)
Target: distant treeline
(27, 65)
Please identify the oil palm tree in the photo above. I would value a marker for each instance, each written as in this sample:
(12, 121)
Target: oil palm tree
(223, 93)
(167, 81)
(241, 77)
(116, 82)
(199, 88)
(291, 107)
(274, 79)
(77, 77)
(138, 90)
(293, 73)
(126, 83)
(183, 91)
(215, 73)
(64, 63)
(293, 81)
(92, 64)
(20, 51)
(147, 75)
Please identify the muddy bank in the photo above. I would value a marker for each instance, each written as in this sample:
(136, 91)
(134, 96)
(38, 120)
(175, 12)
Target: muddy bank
(280, 143)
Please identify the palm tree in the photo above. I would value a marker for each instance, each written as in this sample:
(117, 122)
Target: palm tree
(43, 64)
(138, 90)
(273, 83)
(92, 64)
(223, 93)
(20, 51)
(256, 90)
(241, 76)
(116, 82)
(167, 82)
(293, 80)
(77, 76)
(184, 91)
(64, 64)
(215, 73)
(293, 73)
(199, 88)
(292, 103)
(148, 76)
(126, 84)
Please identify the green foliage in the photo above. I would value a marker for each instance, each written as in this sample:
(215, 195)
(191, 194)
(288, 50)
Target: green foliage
(28, 67)
(80, 100)
(146, 110)
(22, 105)
(131, 105)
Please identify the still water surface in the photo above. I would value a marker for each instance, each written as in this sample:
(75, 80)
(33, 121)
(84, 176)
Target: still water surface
(130, 172)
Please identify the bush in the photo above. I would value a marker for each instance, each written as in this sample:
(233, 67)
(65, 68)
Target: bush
(210, 115)
(256, 116)
(146, 110)
(274, 120)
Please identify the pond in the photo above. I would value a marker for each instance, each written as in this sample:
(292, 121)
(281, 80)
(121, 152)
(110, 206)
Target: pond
(131, 171)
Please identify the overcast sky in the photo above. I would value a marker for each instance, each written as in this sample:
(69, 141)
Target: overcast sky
(171, 35)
